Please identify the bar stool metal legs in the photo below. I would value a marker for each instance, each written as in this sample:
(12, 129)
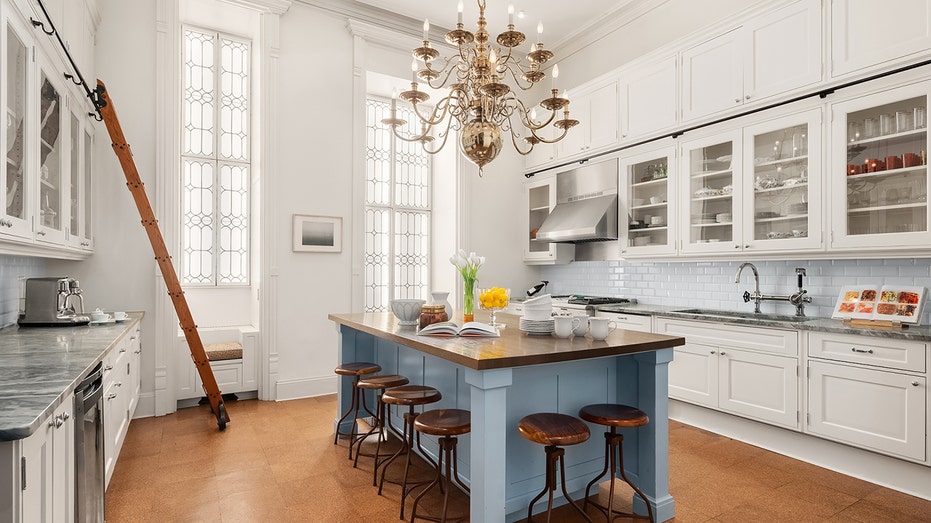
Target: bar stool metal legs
(554, 431)
(378, 383)
(614, 416)
(410, 395)
(447, 423)
(356, 370)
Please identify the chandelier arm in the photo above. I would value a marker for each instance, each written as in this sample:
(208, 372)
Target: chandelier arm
(517, 79)
(433, 119)
(418, 138)
(517, 147)
(444, 135)
(554, 140)
(445, 69)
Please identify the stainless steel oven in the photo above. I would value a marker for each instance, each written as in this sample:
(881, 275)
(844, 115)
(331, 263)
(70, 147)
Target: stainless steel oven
(88, 443)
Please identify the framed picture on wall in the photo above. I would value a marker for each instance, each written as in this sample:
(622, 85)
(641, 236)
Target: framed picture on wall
(317, 233)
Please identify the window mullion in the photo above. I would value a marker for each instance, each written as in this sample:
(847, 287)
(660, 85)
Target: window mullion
(218, 88)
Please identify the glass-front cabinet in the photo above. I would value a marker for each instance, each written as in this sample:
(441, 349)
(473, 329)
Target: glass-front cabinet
(708, 198)
(52, 165)
(782, 184)
(14, 98)
(880, 169)
(540, 195)
(647, 182)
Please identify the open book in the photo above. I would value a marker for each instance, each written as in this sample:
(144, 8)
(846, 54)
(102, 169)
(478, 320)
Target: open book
(448, 328)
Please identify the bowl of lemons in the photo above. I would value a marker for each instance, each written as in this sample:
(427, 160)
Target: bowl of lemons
(494, 299)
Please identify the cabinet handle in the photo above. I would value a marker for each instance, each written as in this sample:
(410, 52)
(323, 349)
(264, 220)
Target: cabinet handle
(746, 246)
(40, 233)
(915, 383)
(108, 367)
(122, 350)
(131, 338)
(712, 352)
(747, 97)
(723, 353)
(57, 422)
(737, 246)
(736, 100)
(137, 351)
(65, 416)
(861, 351)
(111, 396)
(118, 384)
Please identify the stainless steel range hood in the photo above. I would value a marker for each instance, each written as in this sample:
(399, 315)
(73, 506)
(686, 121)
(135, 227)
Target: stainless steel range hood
(586, 205)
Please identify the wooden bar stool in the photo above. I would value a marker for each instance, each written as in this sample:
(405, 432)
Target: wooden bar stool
(448, 423)
(613, 416)
(410, 395)
(356, 370)
(378, 383)
(554, 431)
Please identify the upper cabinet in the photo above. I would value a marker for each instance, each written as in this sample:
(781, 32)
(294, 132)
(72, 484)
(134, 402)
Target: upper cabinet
(647, 193)
(858, 43)
(595, 106)
(771, 54)
(648, 95)
(540, 199)
(47, 132)
(880, 171)
(709, 194)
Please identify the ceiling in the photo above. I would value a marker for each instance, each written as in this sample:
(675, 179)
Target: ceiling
(561, 19)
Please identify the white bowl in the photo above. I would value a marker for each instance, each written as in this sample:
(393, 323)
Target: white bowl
(538, 315)
(407, 310)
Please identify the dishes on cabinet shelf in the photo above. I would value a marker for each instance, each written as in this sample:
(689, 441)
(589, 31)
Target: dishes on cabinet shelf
(727, 189)
(705, 192)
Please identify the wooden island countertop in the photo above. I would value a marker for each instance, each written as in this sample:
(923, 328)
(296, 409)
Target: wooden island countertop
(513, 349)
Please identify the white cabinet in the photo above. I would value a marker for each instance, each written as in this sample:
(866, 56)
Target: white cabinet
(17, 196)
(860, 39)
(539, 196)
(121, 388)
(710, 194)
(869, 392)
(595, 106)
(542, 153)
(648, 98)
(866, 407)
(771, 54)
(47, 481)
(648, 195)
(879, 172)
(748, 371)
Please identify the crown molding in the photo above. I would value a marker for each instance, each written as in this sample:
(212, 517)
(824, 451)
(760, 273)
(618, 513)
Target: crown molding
(278, 7)
(614, 20)
(391, 38)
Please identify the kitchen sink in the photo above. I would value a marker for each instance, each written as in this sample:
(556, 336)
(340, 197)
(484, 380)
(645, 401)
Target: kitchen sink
(741, 315)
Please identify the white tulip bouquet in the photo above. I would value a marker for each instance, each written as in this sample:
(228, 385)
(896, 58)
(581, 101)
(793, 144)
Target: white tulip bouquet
(468, 267)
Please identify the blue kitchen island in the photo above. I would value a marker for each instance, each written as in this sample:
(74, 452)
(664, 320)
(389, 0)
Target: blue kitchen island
(501, 380)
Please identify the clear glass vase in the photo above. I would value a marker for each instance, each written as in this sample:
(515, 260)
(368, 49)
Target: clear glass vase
(468, 300)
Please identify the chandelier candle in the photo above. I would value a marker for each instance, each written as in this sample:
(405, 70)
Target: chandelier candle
(481, 103)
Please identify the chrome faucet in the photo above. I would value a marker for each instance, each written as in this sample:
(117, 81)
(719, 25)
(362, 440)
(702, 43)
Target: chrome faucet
(798, 298)
(756, 296)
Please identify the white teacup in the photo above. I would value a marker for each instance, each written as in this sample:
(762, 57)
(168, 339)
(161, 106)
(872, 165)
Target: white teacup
(99, 315)
(601, 327)
(582, 328)
(120, 315)
(564, 325)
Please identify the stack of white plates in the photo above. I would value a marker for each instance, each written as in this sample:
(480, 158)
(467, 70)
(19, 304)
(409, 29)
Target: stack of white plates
(539, 308)
(540, 327)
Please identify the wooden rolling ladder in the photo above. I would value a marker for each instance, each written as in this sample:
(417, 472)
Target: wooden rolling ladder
(136, 187)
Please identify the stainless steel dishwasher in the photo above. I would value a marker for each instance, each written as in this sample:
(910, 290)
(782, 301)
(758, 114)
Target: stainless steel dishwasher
(88, 443)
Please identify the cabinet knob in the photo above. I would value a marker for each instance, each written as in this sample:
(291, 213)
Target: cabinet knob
(862, 351)
(736, 100)
(746, 246)
(57, 422)
(747, 97)
(137, 351)
(65, 416)
(723, 353)
(915, 383)
(108, 367)
(40, 233)
(122, 350)
(111, 396)
(737, 246)
(712, 352)
(118, 384)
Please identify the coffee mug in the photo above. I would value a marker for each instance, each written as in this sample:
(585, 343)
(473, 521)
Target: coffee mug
(582, 328)
(99, 315)
(601, 327)
(564, 325)
(120, 315)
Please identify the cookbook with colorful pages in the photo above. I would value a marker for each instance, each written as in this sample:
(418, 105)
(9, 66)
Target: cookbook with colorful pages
(895, 303)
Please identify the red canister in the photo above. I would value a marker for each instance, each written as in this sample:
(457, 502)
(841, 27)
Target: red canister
(893, 162)
(852, 169)
(875, 165)
(911, 160)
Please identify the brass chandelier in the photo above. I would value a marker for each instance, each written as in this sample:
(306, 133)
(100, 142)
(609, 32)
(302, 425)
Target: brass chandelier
(479, 105)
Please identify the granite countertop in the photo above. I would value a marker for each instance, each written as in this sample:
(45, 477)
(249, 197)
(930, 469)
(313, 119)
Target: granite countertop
(512, 349)
(920, 333)
(40, 366)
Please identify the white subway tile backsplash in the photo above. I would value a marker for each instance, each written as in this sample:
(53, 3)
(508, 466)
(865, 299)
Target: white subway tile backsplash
(711, 284)
(12, 269)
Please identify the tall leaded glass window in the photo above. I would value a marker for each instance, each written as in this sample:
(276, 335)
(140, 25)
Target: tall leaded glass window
(397, 211)
(215, 159)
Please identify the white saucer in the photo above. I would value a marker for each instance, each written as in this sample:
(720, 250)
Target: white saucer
(121, 320)
(102, 322)
(408, 323)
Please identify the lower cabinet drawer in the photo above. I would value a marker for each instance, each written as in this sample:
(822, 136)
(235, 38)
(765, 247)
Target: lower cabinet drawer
(633, 322)
(875, 409)
(869, 350)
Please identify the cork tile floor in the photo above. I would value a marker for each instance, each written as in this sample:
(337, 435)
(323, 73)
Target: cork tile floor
(276, 462)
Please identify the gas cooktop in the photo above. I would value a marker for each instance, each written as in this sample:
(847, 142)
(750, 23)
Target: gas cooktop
(580, 299)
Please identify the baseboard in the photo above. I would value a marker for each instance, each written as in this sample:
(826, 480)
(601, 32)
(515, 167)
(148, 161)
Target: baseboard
(145, 408)
(904, 476)
(306, 387)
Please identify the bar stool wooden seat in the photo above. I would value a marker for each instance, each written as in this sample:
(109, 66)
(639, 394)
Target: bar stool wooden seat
(447, 423)
(378, 383)
(356, 370)
(613, 415)
(555, 431)
(410, 395)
